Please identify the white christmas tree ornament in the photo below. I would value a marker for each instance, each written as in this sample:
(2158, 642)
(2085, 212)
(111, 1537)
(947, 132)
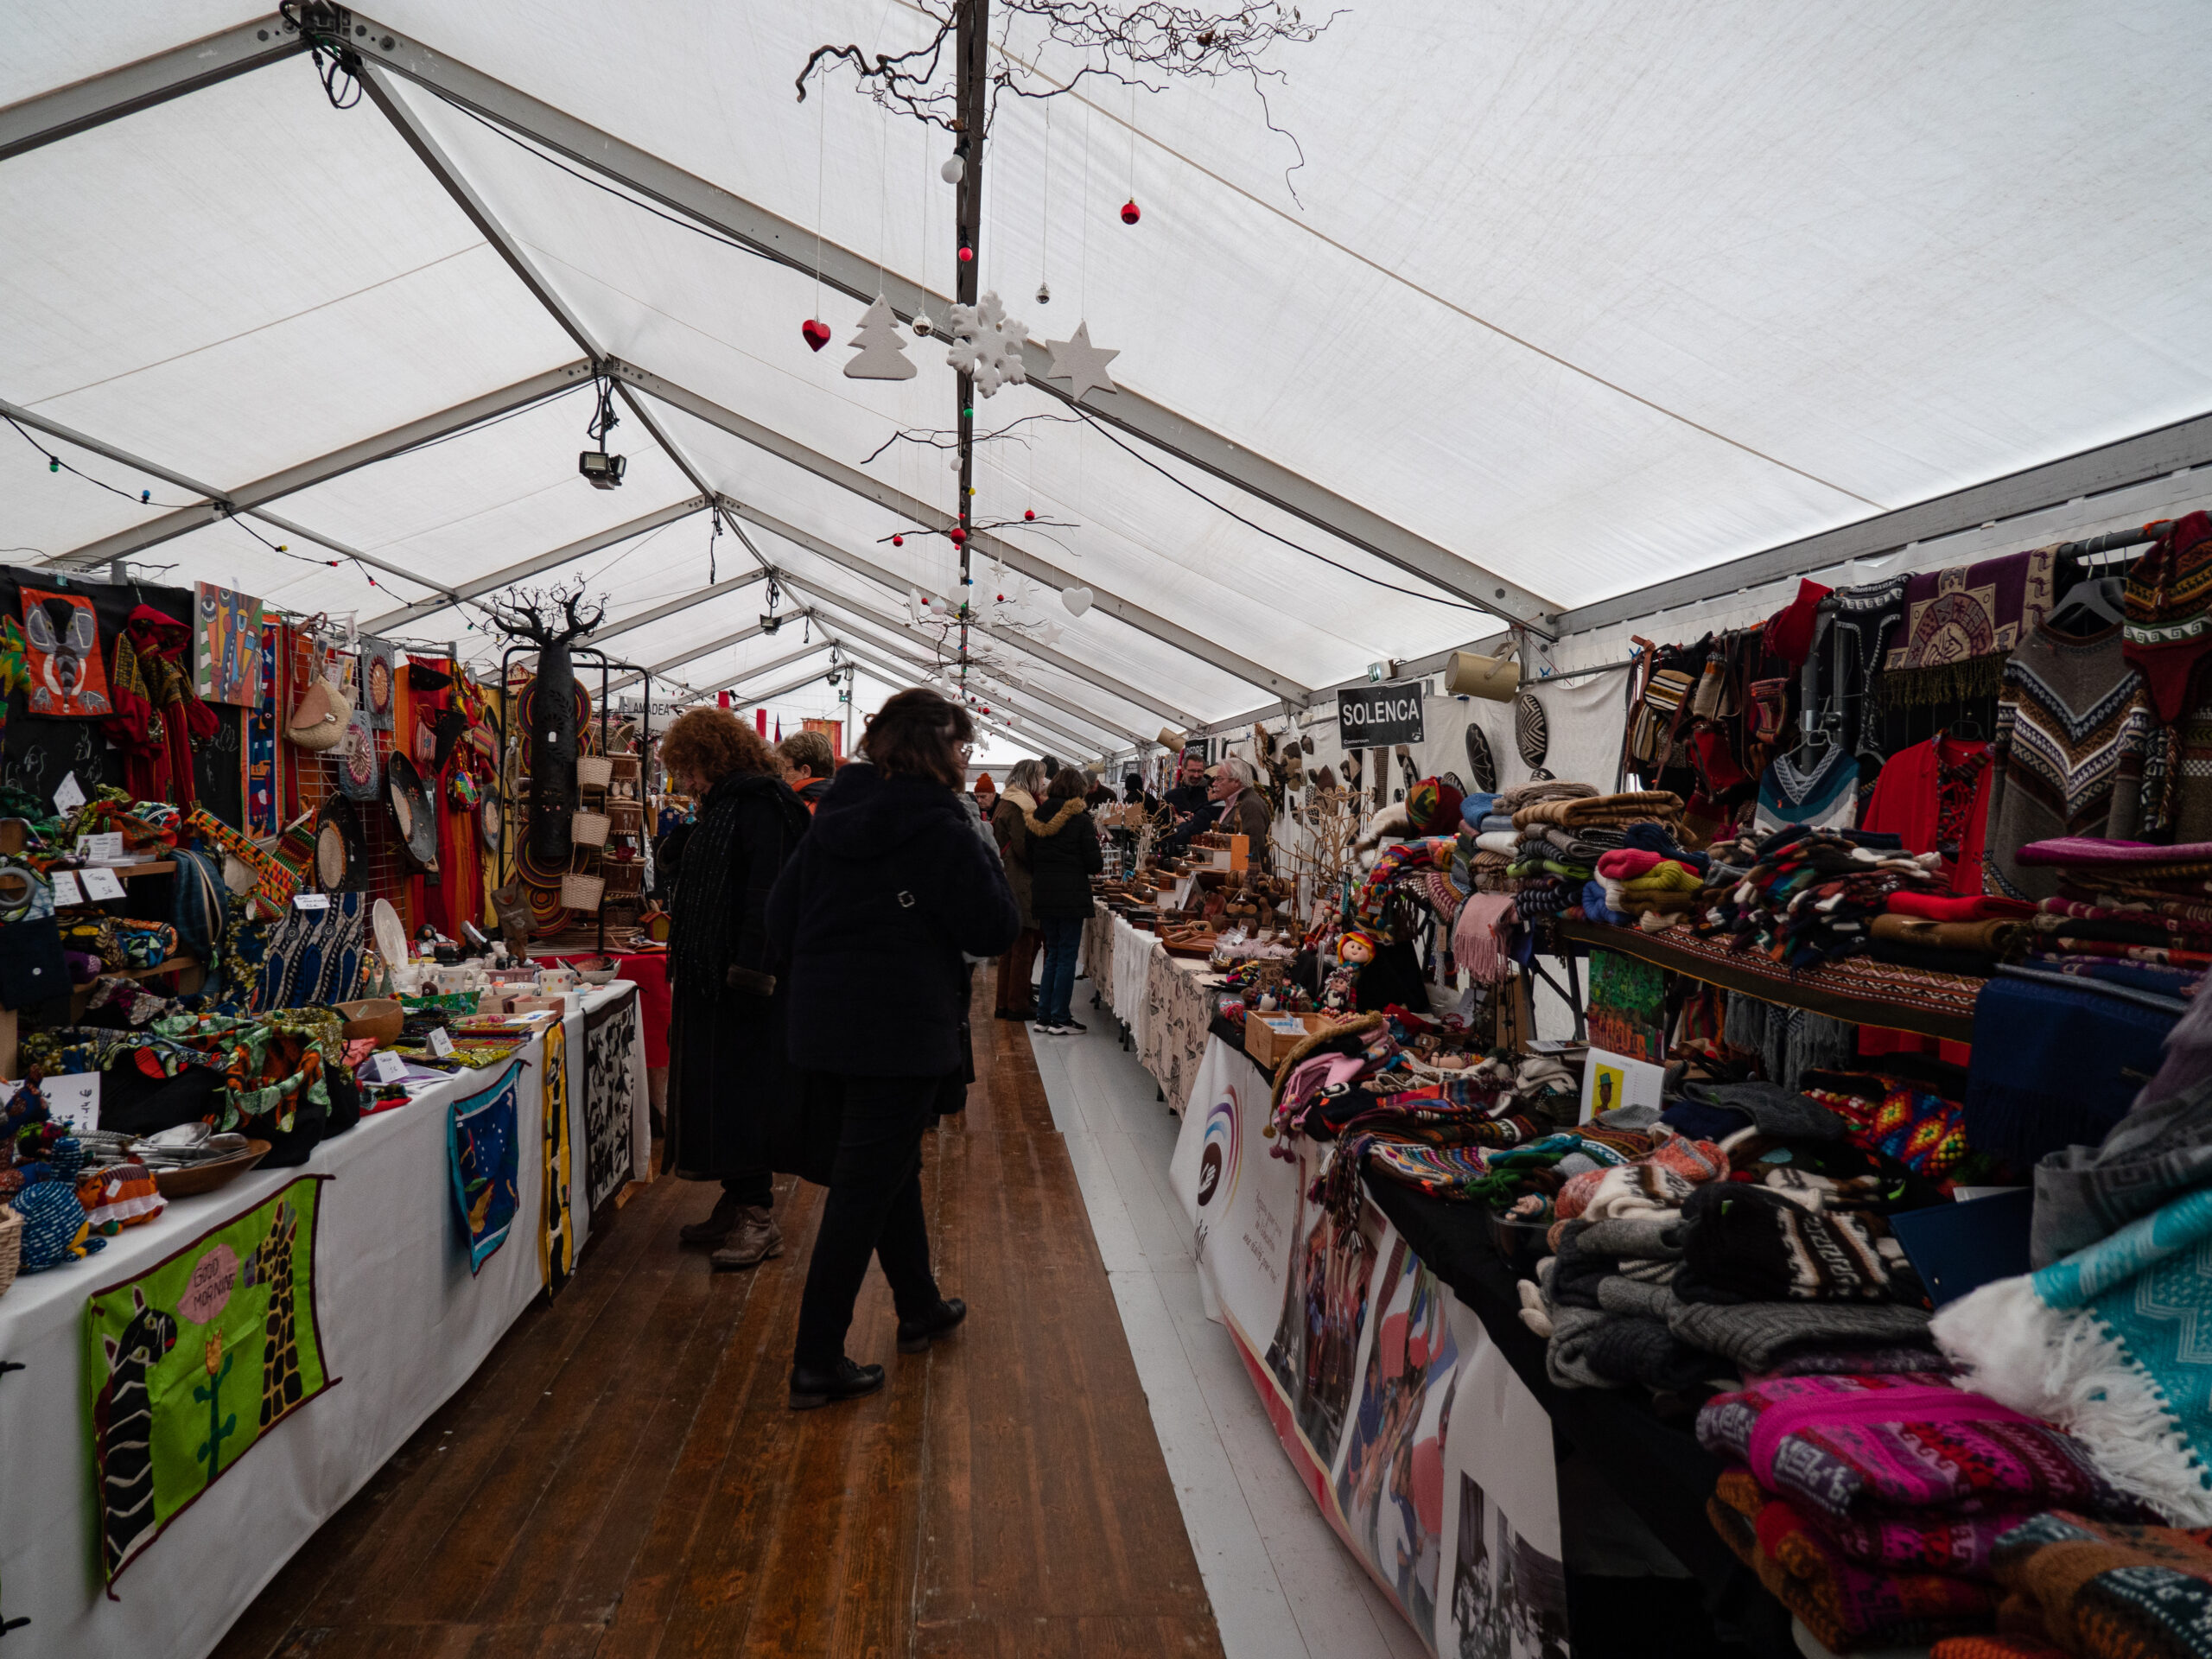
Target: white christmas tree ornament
(882, 353)
(1081, 364)
(986, 344)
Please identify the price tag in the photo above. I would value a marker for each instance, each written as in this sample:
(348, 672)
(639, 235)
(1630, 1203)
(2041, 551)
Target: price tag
(441, 1045)
(311, 901)
(386, 1066)
(101, 884)
(70, 795)
(102, 849)
(65, 888)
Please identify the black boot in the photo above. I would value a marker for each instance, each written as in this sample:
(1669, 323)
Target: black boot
(916, 1335)
(844, 1381)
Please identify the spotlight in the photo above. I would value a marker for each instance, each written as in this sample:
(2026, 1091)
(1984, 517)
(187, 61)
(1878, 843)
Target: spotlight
(769, 622)
(601, 470)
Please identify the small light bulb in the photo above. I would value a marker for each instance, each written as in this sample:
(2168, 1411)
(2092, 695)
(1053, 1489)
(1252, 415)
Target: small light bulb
(953, 171)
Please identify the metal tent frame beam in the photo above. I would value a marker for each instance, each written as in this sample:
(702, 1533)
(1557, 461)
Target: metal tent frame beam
(107, 97)
(249, 498)
(922, 514)
(808, 541)
(723, 644)
(861, 278)
(892, 626)
(661, 612)
(884, 658)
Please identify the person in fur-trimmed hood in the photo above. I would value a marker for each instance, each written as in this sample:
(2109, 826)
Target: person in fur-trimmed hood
(1063, 854)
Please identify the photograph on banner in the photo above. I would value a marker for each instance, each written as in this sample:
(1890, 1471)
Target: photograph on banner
(1503, 1578)
(1627, 1006)
(1389, 1477)
(1614, 1080)
(1324, 1305)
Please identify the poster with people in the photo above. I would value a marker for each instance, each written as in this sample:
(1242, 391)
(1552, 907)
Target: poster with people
(1503, 1583)
(1389, 1477)
(1314, 1352)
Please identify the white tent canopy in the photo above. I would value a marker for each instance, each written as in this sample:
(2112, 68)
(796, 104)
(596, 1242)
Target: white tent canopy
(1568, 302)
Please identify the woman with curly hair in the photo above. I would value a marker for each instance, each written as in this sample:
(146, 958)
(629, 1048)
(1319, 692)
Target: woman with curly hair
(726, 1068)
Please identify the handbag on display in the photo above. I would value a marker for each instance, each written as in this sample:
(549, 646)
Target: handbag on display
(319, 723)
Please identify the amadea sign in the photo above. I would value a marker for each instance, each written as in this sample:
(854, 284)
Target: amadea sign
(1377, 716)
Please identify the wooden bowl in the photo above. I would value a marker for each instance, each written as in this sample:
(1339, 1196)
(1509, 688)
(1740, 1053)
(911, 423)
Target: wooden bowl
(206, 1177)
(380, 1017)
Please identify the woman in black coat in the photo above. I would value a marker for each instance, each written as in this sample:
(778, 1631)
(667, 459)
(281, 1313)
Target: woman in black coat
(1063, 856)
(727, 1069)
(873, 913)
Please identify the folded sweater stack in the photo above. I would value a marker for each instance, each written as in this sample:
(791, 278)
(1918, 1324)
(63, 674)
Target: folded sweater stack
(1594, 810)
(1811, 894)
(2099, 1589)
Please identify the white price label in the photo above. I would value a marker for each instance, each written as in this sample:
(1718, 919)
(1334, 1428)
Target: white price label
(70, 795)
(311, 901)
(66, 891)
(441, 1043)
(384, 1066)
(101, 884)
(102, 849)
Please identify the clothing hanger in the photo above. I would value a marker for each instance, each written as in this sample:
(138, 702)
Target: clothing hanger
(2092, 603)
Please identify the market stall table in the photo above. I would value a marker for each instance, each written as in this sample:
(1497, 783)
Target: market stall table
(402, 1323)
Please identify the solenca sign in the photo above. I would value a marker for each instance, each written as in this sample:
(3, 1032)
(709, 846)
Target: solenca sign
(1373, 717)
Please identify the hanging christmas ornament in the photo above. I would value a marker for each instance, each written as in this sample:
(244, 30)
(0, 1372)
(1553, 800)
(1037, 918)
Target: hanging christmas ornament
(1130, 213)
(882, 354)
(986, 344)
(923, 326)
(1043, 294)
(1029, 512)
(959, 536)
(953, 171)
(1077, 600)
(1081, 364)
(817, 335)
(967, 253)
(897, 541)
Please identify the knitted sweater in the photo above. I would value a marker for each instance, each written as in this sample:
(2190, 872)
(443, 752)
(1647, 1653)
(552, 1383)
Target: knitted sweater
(2078, 751)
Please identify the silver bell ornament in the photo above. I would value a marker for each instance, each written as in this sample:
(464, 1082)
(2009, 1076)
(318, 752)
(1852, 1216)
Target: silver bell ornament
(1043, 294)
(923, 326)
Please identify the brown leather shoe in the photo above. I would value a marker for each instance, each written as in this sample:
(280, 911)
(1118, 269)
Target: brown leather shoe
(718, 1224)
(753, 1241)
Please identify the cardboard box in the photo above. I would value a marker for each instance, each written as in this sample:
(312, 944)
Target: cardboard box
(1269, 1036)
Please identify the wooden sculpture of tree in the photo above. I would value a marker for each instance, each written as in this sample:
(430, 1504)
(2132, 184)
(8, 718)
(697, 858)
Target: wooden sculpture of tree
(553, 621)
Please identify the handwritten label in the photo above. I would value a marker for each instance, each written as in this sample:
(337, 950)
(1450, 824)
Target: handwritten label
(72, 1098)
(386, 1066)
(66, 891)
(311, 901)
(101, 884)
(102, 849)
(441, 1045)
(214, 1275)
(70, 795)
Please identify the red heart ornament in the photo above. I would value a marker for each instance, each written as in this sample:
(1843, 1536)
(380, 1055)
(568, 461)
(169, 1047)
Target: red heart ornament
(816, 334)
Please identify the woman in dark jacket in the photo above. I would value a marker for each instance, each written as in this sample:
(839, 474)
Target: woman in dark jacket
(888, 889)
(726, 1031)
(1063, 856)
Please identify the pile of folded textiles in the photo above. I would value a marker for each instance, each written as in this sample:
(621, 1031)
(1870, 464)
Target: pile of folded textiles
(1639, 887)
(1950, 933)
(1873, 1506)
(2126, 912)
(1912, 1109)
(1400, 863)
(2101, 1589)
(1810, 894)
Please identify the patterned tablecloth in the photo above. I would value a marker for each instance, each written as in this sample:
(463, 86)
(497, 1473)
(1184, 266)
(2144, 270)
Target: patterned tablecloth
(1179, 1001)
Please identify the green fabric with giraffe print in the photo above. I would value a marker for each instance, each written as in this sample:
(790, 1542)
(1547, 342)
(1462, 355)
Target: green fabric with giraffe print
(189, 1363)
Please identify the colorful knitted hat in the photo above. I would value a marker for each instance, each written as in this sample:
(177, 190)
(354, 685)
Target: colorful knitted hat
(1432, 807)
(2170, 612)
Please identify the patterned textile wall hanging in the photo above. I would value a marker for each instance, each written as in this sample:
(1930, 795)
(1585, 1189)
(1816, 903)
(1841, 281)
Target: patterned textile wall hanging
(227, 640)
(261, 744)
(191, 1363)
(556, 1234)
(62, 656)
(480, 1138)
(609, 1034)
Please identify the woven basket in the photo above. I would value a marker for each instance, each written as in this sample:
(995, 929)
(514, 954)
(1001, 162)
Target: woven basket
(590, 829)
(593, 771)
(11, 1246)
(582, 891)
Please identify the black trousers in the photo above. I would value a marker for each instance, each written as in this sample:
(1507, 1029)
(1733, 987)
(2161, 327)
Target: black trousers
(874, 1207)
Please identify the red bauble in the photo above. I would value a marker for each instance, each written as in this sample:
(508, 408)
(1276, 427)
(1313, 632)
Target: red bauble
(816, 334)
(897, 541)
(1029, 512)
(966, 256)
(958, 534)
(1129, 212)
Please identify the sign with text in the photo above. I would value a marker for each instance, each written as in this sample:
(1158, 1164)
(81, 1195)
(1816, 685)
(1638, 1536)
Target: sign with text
(1378, 716)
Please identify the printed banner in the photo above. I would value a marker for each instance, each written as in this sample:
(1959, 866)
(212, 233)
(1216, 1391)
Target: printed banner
(191, 1363)
(261, 758)
(556, 1233)
(480, 1138)
(226, 645)
(62, 656)
(609, 1132)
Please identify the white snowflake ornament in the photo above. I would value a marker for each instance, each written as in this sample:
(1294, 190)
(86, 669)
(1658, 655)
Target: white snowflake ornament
(986, 344)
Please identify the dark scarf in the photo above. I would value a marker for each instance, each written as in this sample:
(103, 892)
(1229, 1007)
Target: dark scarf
(703, 935)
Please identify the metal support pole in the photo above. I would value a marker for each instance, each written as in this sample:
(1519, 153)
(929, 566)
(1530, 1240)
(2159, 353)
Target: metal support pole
(973, 46)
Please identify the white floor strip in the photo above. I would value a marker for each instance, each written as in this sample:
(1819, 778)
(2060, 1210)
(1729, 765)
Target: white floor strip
(1281, 1583)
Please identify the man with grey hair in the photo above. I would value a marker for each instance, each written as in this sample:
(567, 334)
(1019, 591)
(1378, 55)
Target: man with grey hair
(1243, 811)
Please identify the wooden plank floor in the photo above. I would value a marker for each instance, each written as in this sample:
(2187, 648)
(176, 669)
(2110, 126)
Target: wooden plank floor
(622, 1480)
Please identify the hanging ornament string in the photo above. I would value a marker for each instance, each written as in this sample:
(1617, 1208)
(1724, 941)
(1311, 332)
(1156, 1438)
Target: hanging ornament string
(1045, 230)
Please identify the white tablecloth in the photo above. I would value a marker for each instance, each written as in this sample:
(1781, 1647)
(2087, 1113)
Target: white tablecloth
(404, 1325)
(1133, 951)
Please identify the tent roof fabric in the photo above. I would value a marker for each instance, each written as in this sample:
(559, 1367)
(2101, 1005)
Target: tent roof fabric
(1560, 304)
